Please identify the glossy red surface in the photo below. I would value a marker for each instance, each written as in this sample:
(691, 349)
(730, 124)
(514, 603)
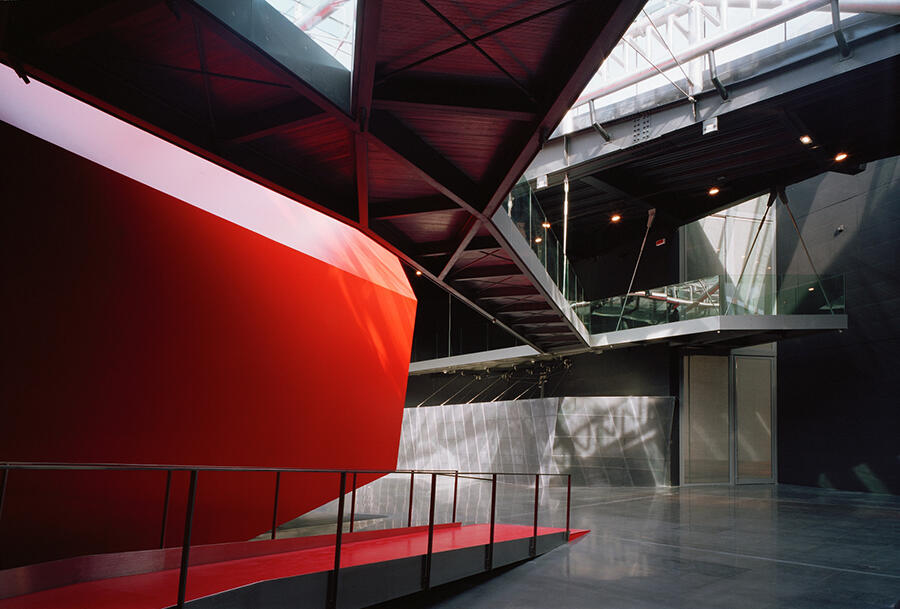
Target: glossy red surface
(141, 329)
(158, 590)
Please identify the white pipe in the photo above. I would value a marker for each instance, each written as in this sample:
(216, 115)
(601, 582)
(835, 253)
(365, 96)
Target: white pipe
(774, 18)
(885, 7)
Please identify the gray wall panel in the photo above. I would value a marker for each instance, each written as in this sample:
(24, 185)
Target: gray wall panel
(616, 441)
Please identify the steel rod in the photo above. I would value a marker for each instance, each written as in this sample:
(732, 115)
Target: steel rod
(426, 570)
(165, 514)
(455, 489)
(783, 196)
(352, 501)
(568, 504)
(186, 544)
(412, 477)
(489, 557)
(275, 503)
(331, 601)
(537, 487)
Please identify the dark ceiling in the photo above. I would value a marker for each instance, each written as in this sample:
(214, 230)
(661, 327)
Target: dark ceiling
(756, 147)
(450, 101)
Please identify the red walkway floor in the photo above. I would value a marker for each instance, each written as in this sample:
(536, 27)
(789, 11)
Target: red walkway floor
(158, 590)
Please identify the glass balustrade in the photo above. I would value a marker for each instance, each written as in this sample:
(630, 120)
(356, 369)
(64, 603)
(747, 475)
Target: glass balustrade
(710, 296)
(526, 213)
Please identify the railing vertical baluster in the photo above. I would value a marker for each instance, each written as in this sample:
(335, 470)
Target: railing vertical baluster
(3, 489)
(568, 504)
(275, 503)
(455, 486)
(353, 502)
(426, 567)
(537, 487)
(165, 518)
(489, 555)
(331, 601)
(186, 544)
(412, 476)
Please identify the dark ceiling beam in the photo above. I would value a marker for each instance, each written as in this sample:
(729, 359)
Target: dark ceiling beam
(506, 291)
(361, 156)
(486, 272)
(478, 38)
(629, 199)
(95, 22)
(464, 96)
(605, 29)
(280, 119)
(523, 307)
(251, 51)
(368, 24)
(468, 232)
(425, 108)
(405, 208)
(481, 51)
(427, 274)
(608, 30)
(445, 248)
(432, 167)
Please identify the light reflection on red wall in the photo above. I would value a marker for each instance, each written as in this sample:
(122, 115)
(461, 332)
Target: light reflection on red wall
(142, 329)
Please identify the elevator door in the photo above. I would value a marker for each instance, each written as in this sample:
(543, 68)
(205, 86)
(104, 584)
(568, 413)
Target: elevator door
(753, 418)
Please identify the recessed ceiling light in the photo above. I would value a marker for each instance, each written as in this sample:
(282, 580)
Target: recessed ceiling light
(812, 289)
(545, 224)
(713, 191)
(615, 218)
(538, 239)
(418, 273)
(806, 139)
(840, 156)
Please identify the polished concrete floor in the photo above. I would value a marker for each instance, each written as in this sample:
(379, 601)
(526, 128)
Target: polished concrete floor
(700, 547)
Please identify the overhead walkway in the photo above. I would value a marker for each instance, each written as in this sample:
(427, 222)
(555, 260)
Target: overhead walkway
(717, 310)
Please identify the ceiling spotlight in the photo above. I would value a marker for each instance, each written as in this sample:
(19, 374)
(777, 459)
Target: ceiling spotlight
(538, 239)
(615, 218)
(840, 156)
(418, 273)
(713, 191)
(545, 224)
(812, 289)
(805, 139)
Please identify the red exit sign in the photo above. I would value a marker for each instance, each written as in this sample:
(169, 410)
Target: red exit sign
(660, 242)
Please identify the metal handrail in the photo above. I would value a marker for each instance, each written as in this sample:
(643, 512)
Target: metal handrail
(331, 598)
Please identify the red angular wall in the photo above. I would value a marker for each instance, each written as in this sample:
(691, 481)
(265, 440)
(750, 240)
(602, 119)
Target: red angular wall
(141, 329)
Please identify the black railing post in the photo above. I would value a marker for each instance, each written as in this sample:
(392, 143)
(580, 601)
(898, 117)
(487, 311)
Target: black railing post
(3, 489)
(455, 486)
(165, 518)
(426, 567)
(489, 555)
(331, 601)
(275, 503)
(353, 502)
(186, 544)
(412, 480)
(568, 504)
(537, 486)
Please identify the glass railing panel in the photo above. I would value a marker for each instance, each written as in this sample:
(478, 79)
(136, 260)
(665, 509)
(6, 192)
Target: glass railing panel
(716, 295)
(524, 209)
(805, 295)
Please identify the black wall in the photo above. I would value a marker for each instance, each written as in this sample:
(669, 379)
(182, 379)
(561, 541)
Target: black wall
(839, 394)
